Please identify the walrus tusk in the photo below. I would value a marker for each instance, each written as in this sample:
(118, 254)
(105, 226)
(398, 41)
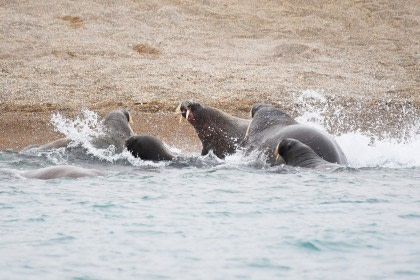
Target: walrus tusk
(247, 130)
(131, 130)
(276, 152)
(178, 111)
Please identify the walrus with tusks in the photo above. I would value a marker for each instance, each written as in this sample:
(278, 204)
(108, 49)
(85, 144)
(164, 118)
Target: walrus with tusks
(147, 147)
(60, 171)
(295, 153)
(218, 131)
(269, 125)
(117, 130)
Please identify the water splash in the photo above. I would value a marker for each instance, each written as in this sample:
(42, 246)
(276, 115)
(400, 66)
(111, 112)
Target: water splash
(363, 148)
(86, 127)
(392, 153)
(313, 108)
(82, 130)
(366, 144)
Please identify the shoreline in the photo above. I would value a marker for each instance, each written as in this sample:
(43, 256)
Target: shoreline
(22, 126)
(147, 56)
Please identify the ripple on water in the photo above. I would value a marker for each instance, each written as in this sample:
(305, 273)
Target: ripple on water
(410, 216)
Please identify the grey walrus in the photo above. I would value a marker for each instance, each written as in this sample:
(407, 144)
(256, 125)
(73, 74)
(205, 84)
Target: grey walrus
(295, 153)
(60, 171)
(116, 130)
(148, 147)
(218, 131)
(269, 125)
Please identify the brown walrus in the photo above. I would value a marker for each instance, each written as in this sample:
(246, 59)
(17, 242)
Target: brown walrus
(218, 131)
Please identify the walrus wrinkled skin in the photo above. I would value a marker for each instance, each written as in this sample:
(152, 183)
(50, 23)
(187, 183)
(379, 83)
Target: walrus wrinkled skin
(218, 131)
(61, 171)
(117, 130)
(148, 147)
(269, 125)
(295, 153)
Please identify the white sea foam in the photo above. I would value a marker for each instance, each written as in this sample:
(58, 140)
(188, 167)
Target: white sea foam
(363, 149)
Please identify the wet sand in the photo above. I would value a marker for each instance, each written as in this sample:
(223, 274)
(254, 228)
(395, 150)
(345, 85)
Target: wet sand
(147, 56)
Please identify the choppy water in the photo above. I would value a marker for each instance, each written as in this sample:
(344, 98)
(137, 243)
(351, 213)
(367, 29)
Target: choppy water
(205, 218)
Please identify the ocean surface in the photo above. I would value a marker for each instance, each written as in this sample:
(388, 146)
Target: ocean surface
(205, 218)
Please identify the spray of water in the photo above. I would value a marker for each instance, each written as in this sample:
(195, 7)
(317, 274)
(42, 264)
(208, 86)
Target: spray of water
(366, 144)
(363, 148)
(82, 129)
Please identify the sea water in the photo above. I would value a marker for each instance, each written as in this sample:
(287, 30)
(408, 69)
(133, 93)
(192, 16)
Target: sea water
(205, 218)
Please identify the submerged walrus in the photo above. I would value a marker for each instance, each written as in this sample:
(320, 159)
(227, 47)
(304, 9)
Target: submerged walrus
(148, 147)
(117, 130)
(218, 131)
(270, 125)
(295, 153)
(61, 171)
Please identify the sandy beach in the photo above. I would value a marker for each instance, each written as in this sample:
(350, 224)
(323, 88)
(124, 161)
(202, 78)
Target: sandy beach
(147, 56)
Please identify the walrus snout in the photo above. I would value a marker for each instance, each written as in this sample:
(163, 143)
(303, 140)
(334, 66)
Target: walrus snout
(185, 109)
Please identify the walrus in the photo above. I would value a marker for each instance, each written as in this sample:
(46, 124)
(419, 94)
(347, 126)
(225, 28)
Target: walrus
(56, 144)
(269, 125)
(61, 171)
(148, 147)
(116, 130)
(218, 131)
(295, 153)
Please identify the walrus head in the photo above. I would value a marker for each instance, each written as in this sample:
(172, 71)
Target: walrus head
(187, 110)
(127, 115)
(283, 148)
(295, 152)
(257, 107)
(121, 114)
(119, 119)
(268, 110)
(148, 147)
